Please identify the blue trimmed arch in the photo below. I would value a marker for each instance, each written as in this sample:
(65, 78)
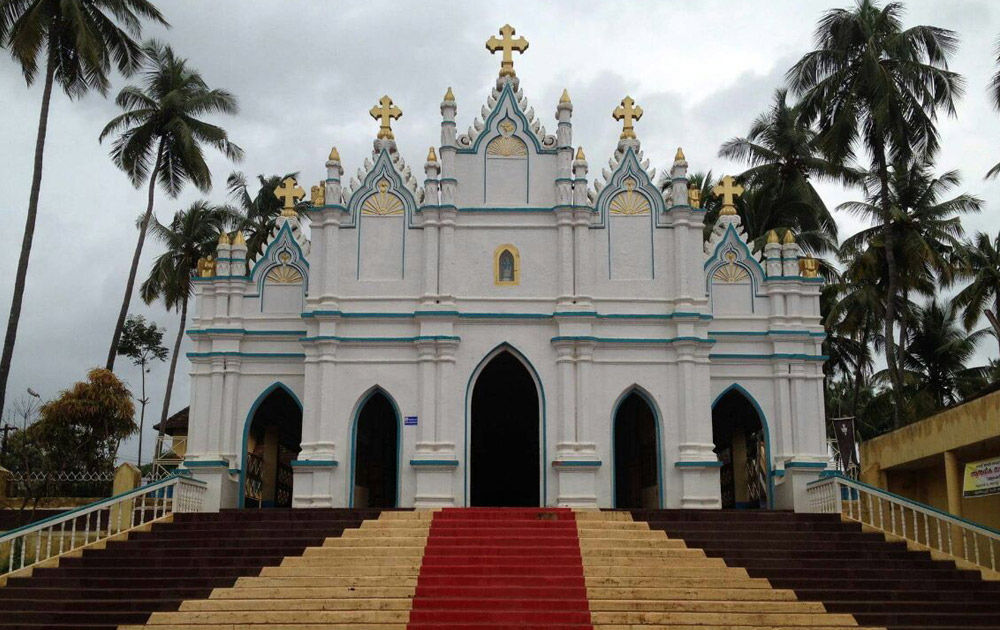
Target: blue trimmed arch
(355, 416)
(647, 398)
(736, 387)
(248, 421)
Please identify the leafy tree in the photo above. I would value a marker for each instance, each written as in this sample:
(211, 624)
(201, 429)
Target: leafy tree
(191, 235)
(982, 295)
(161, 139)
(260, 211)
(994, 93)
(875, 85)
(78, 41)
(143, 343)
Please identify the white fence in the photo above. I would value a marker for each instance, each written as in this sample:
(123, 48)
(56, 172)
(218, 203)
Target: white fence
(37, 542)
(893, 514)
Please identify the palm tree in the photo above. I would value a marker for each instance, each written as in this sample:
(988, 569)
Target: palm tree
(994, 92)
(260, 211)
(982, 295)
(191, 235)
(81, 40)
(161, 140)
(873, 84)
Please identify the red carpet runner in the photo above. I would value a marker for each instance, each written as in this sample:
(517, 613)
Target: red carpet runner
(501, 568)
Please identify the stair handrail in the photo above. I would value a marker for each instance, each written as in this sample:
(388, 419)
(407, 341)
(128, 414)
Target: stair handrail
(873, 506)
(34, 543)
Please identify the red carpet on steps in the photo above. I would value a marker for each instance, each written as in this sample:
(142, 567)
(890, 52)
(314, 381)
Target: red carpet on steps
(501, 568)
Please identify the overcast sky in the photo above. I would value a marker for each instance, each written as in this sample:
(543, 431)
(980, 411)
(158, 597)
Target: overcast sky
(307, 72)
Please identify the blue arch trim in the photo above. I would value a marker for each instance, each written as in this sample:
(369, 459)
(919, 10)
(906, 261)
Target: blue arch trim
(506, 93)
(358, 408)
(767, 434)
(246, 429)
(543, 438)
(648, 399)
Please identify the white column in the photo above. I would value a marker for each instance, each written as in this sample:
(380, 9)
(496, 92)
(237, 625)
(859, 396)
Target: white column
(447, 260)
(331, 251)
(447, 418)
(218, 371)
(428, 385)
(431, 246)
(231, 436)
(584, 370)
(564, 253)
(566, 398)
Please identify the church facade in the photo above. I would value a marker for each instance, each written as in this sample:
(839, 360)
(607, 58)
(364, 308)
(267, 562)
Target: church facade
(507, 330)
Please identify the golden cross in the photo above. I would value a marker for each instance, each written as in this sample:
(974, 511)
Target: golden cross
(288, 192)
(729, 190)
(508, 45)
(628, 112)
(385, 112)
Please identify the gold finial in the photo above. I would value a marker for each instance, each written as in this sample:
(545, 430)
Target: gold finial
(579, 154)
(694, 196)
(789, 237)
(808, 267)
(206, 267)
(565, 97)
(223, 239)
(628, 112)
(508, 45)
(334, 155)
(729, 190)
(238, 238)
(431, 155)
(772, 237)
(317, 195)
(385, 112)
(449, 95)
(679, 156)
(289, 192)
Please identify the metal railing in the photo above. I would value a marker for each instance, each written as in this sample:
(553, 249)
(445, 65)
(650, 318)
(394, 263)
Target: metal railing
(37, 542)
(911, 520)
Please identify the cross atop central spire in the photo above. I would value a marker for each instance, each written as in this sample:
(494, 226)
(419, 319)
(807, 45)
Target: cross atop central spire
(508, 45)
(385, 112)
(628, 112)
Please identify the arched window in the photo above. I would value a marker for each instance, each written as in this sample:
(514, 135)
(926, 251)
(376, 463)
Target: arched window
(506, 265)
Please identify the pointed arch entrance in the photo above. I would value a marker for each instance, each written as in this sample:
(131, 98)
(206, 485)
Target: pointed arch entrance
(375, 466)
(271, 441)
(504, 454)
(636, 442)
(739, 432)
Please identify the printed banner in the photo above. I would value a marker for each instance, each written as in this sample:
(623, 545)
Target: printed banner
(982, 478)
(846, 442)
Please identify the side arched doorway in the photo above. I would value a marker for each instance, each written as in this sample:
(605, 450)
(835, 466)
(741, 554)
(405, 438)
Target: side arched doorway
(504, 461)
(740, 439)
(271, 442)
(376, 453)
(636, 453)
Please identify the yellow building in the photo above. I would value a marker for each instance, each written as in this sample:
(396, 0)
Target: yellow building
(925, 461)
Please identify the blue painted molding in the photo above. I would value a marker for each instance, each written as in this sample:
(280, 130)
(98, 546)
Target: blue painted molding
(493, 315)
(715, 464)
(206, 463)
(247, 355)
(576, 463)
(627, 340)
(450, 463)
(525, 128)
(767, 357)
(243, 331)
(315, 463)
(380, 339)
(513, 209)
(820, 465)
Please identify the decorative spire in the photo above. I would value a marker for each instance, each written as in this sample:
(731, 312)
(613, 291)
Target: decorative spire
(507, 44)
(238, 240)
(789, 238)
(628, 112)
(223, 239)
(431, 155)
(579, 154)
(679, 156)
(729, 190)
(334, 155)
(565, 97)
(385, 112)
(289, 192)
(449, 95)
(772, 237)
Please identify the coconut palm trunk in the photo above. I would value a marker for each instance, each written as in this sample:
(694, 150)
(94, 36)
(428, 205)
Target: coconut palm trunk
(892, 287)
(29, 231)
(173, 370)
(134, 270)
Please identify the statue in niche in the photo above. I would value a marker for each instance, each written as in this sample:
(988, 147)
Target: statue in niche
(506, 266)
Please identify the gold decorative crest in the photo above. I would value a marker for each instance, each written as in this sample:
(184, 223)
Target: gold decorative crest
(382, 203)
(507, 146)
(730, 272)
(284, 273)
(630, 203)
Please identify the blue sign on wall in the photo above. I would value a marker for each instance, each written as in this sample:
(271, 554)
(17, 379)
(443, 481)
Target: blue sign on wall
(410, 421)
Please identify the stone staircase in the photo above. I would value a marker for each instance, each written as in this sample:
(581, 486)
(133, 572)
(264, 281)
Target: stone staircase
(500, 569)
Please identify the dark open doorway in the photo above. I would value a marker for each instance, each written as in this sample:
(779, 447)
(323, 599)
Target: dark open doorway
(376, 444)
(504, 454)
(741, 445)
(272, 443)
(637, 483)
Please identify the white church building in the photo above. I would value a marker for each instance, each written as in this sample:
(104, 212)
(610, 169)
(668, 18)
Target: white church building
(506, 331)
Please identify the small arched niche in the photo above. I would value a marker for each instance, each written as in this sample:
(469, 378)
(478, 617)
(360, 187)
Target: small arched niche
(506, 265)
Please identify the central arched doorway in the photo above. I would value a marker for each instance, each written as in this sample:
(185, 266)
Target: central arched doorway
(376, 453)
(272, 441)
(504, 459)
(636, 452)
(740, 439)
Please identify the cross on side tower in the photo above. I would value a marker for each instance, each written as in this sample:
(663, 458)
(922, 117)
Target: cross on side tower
(729, 190)
(628, 112)
(508, 45)
(289, 192)
(385, 112)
